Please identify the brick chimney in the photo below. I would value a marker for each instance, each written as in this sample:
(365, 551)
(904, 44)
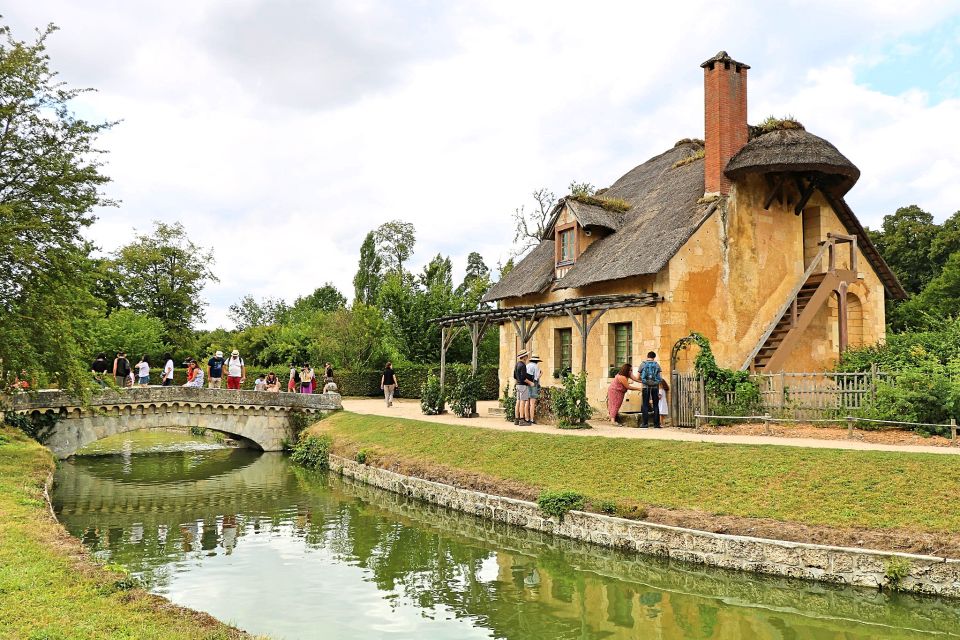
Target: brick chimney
(725, 117)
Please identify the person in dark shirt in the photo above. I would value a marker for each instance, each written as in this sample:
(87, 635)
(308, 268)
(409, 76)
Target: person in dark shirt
(328, 373)
(215, 370)
(388, 382)
(121, 370)
(99, 368)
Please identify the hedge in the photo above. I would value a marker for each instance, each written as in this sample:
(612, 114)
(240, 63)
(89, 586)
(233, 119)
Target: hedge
(367, 383)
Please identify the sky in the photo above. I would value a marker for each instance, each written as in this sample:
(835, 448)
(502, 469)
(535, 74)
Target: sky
(280, 132)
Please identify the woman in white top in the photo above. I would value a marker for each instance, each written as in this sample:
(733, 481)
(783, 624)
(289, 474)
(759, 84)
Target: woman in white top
(143, 372)
(167, 370)
(197, 375)
(663, 406)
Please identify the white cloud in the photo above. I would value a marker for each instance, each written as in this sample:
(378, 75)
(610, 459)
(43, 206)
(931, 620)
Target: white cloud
(280, 133)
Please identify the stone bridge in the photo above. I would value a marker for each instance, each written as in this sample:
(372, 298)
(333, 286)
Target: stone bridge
(260, 417)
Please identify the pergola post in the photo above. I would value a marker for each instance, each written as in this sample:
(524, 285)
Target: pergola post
(477, 329)
(584, 325)
(447, 334)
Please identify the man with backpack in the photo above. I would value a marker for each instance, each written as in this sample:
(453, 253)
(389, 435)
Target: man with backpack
(236, 371)
(122, 370)
(650, 377)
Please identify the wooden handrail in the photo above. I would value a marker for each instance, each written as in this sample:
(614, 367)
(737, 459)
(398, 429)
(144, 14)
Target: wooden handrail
(826, 245)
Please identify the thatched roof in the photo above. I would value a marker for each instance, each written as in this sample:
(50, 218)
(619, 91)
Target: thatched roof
(533, 274)
(666, 209)
(794, 150)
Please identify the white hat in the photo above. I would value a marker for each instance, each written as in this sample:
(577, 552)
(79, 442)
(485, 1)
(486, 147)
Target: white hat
(235, 353)
(535, 358)
(219, 354)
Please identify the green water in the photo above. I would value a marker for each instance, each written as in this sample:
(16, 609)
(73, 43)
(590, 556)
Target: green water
(276, 550)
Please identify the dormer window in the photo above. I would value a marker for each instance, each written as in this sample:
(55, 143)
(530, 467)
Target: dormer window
(566, 244)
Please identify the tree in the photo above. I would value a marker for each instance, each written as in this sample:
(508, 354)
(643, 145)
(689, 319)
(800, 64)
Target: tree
(352, 338)
(249, 313)
(50, 181)
(366, 283)
(323, 300)
(475, 283)
(937, 304)
(905, 240)
(395, 241)
(163, 274)
(131, 332)
(531, 224)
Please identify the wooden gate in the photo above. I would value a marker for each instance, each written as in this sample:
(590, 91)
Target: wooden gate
(687, 399)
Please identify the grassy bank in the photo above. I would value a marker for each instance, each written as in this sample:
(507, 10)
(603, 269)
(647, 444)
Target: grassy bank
(736, 488)
(50, 589)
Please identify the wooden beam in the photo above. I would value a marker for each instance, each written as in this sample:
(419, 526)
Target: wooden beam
(842, 331)
(805, 193)
(776, 187)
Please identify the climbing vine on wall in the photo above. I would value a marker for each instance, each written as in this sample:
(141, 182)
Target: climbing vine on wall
(729, 392)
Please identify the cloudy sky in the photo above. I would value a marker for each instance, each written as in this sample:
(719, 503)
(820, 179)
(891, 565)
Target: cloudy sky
(280, 132)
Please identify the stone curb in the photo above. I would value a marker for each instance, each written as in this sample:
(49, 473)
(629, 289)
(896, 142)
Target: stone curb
(839, 565)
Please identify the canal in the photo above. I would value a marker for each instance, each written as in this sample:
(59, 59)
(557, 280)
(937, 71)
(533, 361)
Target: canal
(276, 550)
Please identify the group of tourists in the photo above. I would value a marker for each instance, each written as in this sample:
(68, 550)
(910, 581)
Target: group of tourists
(648, 380)
(526, 376)
(218, 367)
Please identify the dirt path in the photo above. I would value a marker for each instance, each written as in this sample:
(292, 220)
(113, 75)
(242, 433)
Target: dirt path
(411, 409)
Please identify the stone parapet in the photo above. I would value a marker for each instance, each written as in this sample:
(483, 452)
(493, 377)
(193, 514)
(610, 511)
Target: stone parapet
(839, 565)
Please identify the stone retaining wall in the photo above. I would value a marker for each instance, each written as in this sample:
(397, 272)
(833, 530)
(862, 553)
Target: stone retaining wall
(840, 565)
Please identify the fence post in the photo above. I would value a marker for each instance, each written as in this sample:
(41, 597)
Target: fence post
(873, 382)
(696, 420)
(849, 426)
(953, 429)
(766, 423)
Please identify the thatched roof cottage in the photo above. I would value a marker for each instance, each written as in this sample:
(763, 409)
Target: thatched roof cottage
(744, 237)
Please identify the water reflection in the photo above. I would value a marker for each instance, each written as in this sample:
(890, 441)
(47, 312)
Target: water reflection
(278, 550)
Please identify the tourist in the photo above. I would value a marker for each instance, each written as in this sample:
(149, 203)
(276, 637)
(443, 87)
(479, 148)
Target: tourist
(271, 383)
(215, 370)
(522, 382)
(236, 371)
(663, 406)
(143, 371)
(533, 370)
(650, 378)
(194, 375)
(327, 374)
(294, 379)
(122, 370)
(621, 383)
(167, 370)
(99, 368)
(388, 382)
(259, 384)
(306, 379)
(21, 383)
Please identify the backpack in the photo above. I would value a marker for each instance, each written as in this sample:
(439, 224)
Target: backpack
(650, 374)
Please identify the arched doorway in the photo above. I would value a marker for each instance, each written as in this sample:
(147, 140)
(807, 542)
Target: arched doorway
(855, 335)
(687, 392)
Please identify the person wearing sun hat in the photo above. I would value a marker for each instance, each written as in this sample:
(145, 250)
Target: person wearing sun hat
(522, 381)
(236, 371)
(533, 371)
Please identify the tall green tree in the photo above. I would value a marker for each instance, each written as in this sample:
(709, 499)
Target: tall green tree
(476, 281)
(163, 274)
(395, 241)
(249, 312)
(905, 239)
(126, 330)
(50, 181)
(366, 283)
(323, 300)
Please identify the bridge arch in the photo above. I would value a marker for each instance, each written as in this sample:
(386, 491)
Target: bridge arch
(259, 417)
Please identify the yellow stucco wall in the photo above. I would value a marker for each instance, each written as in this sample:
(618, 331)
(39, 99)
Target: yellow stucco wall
(727, 282)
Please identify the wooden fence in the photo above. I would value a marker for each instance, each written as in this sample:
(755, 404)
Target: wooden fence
(801, 396)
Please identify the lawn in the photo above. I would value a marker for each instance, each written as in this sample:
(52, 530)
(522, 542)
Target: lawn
(819, 487)
(50, 589)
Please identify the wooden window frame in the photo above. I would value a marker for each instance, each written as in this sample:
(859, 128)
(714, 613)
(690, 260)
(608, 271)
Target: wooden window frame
(557, 252)
(558, 348)
(628, 357)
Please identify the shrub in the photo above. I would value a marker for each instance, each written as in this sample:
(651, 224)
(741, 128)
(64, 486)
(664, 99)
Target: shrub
(464, 395)
(198, 431)
(570, 401)
(509, 404)
(914, 397)
(38, 426)
(312, 451)
(431, 396)
(361, 456)
(558, 503)
(606, 506)
(895, 570)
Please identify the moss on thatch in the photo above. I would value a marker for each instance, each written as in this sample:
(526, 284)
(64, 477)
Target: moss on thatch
(696, 141)
(682, 161)
(609, 204)
(772, 123)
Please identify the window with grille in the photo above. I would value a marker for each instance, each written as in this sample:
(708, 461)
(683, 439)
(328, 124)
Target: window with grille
(563, 356)
(566, 246)
(621, 344)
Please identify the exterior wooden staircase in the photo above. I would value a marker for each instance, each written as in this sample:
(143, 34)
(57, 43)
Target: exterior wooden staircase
(812, 292)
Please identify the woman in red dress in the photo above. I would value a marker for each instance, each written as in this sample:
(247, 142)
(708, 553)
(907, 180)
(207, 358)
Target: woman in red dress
(621, 383)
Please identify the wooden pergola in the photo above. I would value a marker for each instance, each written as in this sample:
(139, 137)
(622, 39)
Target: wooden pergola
(584, 312)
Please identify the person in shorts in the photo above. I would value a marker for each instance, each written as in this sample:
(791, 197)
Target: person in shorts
(143, 372)
(533, 370)
(522, 384)
(122, 370)
(215, 370)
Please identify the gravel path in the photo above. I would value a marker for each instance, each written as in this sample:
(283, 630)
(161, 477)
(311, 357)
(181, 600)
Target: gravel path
(411, 409)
